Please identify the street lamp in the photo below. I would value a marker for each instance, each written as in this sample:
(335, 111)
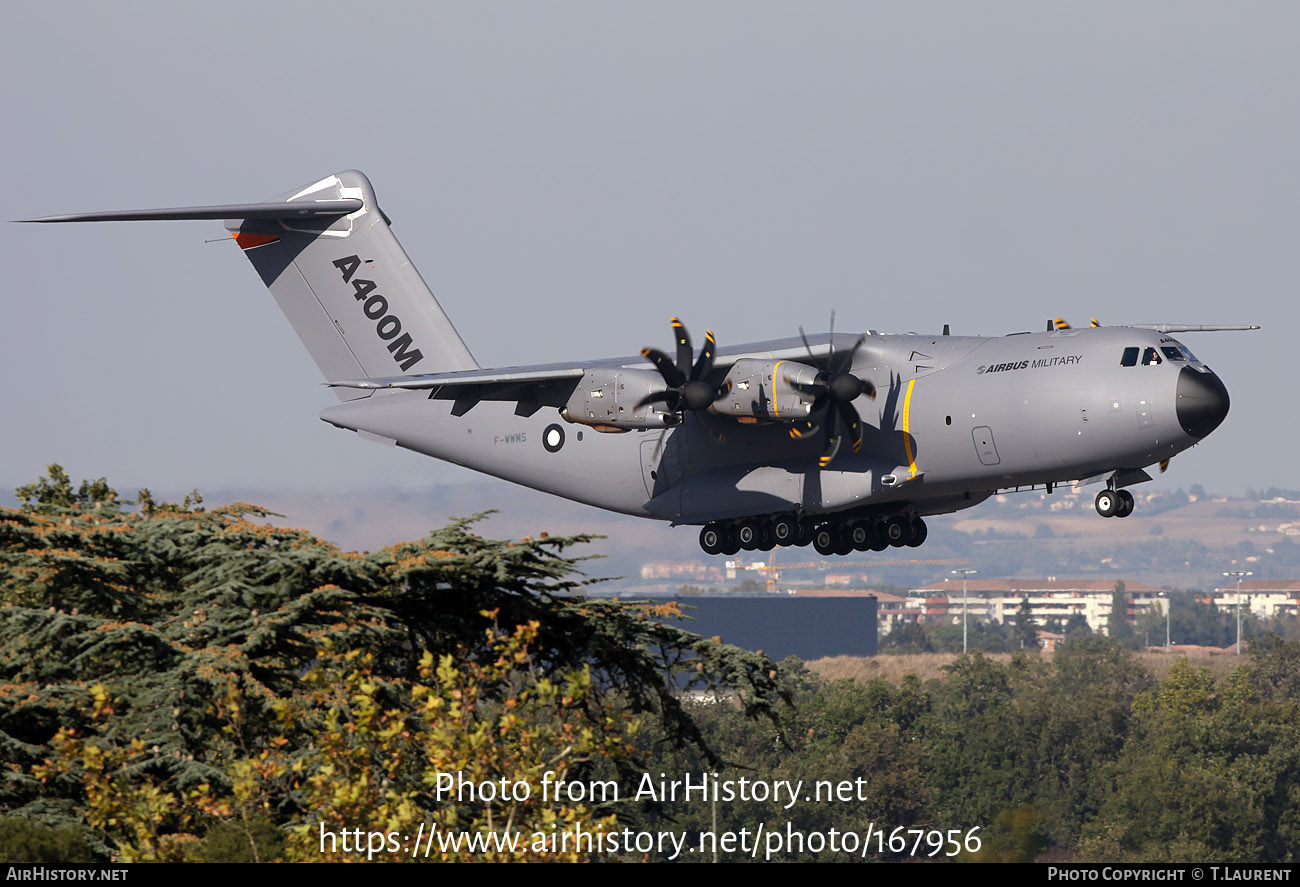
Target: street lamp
(1169, 599)
(1239, 574)
(964, 574)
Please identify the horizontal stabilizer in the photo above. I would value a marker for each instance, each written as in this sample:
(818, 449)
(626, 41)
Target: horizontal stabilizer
(282, 210)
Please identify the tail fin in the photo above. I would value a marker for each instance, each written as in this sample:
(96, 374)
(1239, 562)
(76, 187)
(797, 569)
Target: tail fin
(328, 256)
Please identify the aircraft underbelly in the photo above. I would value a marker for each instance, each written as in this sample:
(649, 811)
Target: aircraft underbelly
(539, 451)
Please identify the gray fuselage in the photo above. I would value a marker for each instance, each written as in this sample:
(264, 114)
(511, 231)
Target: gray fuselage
(955, 419)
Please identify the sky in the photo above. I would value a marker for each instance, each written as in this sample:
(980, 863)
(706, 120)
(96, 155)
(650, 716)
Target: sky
(567, 176)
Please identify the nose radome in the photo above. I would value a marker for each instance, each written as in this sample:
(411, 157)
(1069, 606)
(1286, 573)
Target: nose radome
(1202, 402)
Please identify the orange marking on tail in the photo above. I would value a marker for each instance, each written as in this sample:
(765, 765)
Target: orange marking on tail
(248, 241)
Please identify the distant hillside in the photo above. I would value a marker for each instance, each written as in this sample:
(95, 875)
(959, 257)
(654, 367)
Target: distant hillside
(1183, 540)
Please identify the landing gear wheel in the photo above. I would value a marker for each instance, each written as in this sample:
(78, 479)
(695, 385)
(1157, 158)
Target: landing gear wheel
(824, 539)
(713, 538)
(918, 534)
(1125, 503)
(845, 545)
(897, 531)
(733, 544)
(766, 540)
(784, 529)
(1107, 503)
(805, 534)
(748, 534)
(879, 541)
(859, 534)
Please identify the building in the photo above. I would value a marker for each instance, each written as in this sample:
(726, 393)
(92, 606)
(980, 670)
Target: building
(810, 625)
(1265, 598)
(1049, 598)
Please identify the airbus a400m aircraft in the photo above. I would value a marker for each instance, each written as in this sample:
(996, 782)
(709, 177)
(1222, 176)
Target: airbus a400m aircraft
(843, 441)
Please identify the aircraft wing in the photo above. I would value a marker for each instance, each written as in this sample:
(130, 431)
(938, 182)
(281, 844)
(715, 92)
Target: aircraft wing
(552, 384)
(1190, 327)
(779, 349)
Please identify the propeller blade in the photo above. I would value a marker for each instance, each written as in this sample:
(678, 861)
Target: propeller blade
(801, 430)
(705, 363)
(684, 350)
(665, 367)
(848, 355)
(806, 346)
(814, 389)
(829, 455)
(831, 362)
(668, 395)
(849, 416)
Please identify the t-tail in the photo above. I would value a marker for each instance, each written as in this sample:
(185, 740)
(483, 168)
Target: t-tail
(328, 255)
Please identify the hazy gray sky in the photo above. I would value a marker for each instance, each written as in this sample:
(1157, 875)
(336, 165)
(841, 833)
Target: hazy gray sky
(566, 176)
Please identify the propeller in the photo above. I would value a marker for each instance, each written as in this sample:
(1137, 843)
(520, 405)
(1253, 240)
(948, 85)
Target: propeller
(835, 389)
(688, 386)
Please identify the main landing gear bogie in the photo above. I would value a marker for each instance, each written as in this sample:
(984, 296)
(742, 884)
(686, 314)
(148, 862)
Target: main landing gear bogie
(1114, 503)
(827, 536)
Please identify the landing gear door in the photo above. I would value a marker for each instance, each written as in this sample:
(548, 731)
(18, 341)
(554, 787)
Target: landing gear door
(985, 448)
(660, 468)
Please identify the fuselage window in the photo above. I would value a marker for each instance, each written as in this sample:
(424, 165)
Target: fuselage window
(1150, 358)
(1173, 353)
(1130, 358)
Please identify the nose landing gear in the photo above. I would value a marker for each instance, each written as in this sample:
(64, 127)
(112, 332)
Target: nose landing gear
(1114, 503)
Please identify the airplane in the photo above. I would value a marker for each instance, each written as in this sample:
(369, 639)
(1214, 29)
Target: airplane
(844, 442)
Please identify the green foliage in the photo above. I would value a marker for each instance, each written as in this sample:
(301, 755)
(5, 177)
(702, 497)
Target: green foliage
(1209, 773)
(24, 840)
(188, 683)
(175, 616)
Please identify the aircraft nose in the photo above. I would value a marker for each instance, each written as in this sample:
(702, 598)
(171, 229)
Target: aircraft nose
(1202, 402)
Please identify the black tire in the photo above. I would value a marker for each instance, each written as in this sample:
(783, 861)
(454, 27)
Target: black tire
(1107, 503)
(860, 535)
(785, 529)
(1126, 503)
(824, 540)
(879, 541)
(748, 534)
(766, 541)
(896, 531)
(805, 535)
(918, 534)
(713, 538)
(733, 544)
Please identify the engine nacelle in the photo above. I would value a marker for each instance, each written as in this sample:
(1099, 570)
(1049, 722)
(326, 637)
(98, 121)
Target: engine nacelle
(606, 399)
(761, 389)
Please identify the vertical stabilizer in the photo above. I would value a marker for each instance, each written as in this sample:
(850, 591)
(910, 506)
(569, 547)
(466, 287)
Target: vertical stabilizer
(348, 288)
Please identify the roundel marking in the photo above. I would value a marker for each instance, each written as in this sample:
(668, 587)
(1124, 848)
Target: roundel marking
(553, 438)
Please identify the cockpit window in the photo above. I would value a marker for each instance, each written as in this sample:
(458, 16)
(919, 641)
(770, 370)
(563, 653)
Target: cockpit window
(1150, 358)
(1173, 353)
(1130, 358)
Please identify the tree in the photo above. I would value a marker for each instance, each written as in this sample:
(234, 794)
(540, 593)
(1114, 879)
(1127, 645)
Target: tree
(175, 609)
(1117, 624)
(1026, 633)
